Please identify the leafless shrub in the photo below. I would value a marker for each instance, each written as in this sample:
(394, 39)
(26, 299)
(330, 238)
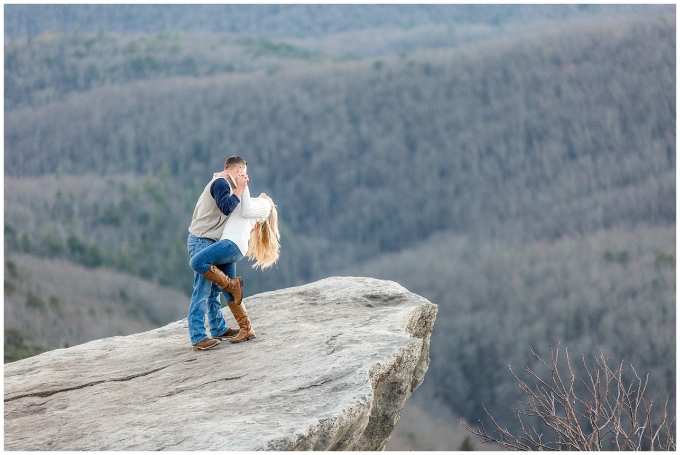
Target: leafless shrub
(612, 415)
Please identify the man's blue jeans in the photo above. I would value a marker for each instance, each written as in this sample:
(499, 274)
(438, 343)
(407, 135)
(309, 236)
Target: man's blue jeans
(205, 298)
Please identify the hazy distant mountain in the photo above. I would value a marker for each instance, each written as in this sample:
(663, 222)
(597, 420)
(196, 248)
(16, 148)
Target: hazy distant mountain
(286, 20)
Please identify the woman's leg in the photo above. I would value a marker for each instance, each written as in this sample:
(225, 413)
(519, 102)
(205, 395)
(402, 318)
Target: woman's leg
(230, 270)
(222, 252)
(225, 252)
(218, 325)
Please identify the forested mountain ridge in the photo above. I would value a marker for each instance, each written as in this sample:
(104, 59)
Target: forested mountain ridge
(520, 140)
(77, 56)
(47, 68)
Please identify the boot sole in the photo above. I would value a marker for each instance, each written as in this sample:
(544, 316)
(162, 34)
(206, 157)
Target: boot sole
(245, 339)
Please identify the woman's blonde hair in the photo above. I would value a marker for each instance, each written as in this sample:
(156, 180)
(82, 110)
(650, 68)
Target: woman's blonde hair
(264, 241)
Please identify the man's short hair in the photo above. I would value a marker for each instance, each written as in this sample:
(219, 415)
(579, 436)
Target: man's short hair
(235, 160)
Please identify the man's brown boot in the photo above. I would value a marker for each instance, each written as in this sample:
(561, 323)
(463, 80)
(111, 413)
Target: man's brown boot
(231, 285)
(246, 331)
(206, 343)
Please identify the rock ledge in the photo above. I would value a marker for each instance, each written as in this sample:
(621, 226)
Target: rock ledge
(331, 367)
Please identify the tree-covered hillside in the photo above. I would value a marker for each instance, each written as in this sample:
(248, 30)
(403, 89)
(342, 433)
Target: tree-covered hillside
(47, 68)
(132, 224)
(524, 139)
(54, 303)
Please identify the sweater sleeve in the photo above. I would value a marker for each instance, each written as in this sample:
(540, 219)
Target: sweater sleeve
(225, 201)
(254, 207)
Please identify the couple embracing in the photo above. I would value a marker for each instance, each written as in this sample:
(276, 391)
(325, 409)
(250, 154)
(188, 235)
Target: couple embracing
(227, 224)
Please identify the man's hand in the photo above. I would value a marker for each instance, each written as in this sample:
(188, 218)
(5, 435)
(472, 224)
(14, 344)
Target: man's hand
(241, 180)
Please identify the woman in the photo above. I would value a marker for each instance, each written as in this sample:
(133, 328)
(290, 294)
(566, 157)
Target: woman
(251, 228)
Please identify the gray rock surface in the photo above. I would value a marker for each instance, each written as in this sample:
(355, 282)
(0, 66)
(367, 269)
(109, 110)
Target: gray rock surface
(331, 367)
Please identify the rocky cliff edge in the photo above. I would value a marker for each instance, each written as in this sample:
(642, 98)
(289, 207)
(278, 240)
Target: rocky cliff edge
(331, 367)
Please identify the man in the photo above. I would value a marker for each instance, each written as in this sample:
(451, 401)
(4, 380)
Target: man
(214, 205)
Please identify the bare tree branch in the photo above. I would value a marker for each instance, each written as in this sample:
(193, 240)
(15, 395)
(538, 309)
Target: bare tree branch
(611, 415)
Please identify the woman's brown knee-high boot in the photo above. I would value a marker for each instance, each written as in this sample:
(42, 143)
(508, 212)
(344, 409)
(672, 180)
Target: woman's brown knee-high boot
(231, 285)
(245, 329)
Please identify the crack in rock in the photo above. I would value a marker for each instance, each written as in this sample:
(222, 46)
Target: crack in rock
(177, 392)
(322, 382)
(89, 384)
(318, 384)
(331, 348)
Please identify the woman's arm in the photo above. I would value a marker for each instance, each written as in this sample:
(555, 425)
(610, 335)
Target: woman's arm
(255, 207)
(245, 201)
(258, 207)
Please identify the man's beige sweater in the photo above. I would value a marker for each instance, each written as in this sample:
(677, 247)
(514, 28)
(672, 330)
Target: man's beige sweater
(207, 220)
